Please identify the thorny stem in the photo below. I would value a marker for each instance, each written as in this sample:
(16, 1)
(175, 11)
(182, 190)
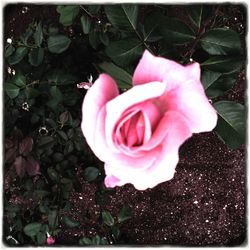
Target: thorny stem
(36, 82)
(138, 35)
(201, 31)
(89, 14)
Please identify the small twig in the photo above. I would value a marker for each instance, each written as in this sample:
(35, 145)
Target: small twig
(27, 45)
(89, 14)
(201, 31)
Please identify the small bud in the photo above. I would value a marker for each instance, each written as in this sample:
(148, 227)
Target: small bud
(50, 239)
(9, 70)
(43, 131)
(25, 106)
(86, 85)
(9, 40)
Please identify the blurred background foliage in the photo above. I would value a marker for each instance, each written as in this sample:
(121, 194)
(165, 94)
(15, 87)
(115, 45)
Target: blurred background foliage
(43, 142)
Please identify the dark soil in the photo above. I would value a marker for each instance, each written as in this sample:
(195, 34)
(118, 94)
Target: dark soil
(204, 204)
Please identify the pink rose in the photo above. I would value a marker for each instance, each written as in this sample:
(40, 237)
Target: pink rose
(138, 133)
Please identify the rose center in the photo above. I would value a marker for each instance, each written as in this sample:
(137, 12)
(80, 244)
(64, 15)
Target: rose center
(136, 126)
(132, 131)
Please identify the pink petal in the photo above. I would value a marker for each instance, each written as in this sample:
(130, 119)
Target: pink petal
(190, 100)
(111, 181)
(118, 105)
(103, 90)
(153, 68)
(105, 154)
(184, 91)
(140, 130)
(163, 167)
(131, 136)
(194, 70)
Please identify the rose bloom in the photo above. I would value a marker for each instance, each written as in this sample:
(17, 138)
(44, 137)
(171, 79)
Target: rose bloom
(138, 134)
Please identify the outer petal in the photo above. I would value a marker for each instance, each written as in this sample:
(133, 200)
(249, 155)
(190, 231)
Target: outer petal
(118, 105)
(184, 91)
(190, 100)
(163, 168)
(103, 90)
(155, 68)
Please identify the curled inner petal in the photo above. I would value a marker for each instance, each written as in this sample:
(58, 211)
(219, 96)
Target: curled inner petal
(135, 127)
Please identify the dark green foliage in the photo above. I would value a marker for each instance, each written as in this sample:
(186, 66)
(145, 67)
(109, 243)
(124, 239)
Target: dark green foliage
(221, 42)
(91, 173)
(107, 218)
(124, 213)
(231, 124)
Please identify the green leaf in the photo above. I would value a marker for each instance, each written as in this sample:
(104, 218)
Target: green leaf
(86, 24)
(96, 240)
(43, 208)
(175, 31)
(125, 52)
(151, 27)
(60, 77)
(104, 38)
(53, 30)
(221, 42)
(70, 222)
(53, 218)
(168, 50)
(40, 193)
(36, 56)
(115, 232)
(9, 50)
(94, 38)
(12, 90)
(67, 14)
(64, 117)
(19, 79)
(107, 218)
(198, 14)
(32, 229)
(85, 241)
(91, 173)
(223, 64)
(58, 43)
(103, 241)
(63, 135)
(31, 92)
(69, 147)
(123, 17)
(26, 35)
(122, 77)
(41, 238)
(94, 9)
(208, 78)
(12, 208)
(45, 141)
(231, 123)
(56, 97)
(221, 85)
(52, 174)
(58, 157)
(17, 56)
(38, 35)
(124, 213)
